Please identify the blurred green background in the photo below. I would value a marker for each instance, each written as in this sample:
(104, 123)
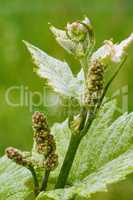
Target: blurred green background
(28, 20)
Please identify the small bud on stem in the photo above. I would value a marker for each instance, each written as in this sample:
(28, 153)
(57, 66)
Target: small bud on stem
(17, 156)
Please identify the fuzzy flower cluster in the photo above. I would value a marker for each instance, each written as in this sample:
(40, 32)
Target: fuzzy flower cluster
(95, 83)
(45, 143)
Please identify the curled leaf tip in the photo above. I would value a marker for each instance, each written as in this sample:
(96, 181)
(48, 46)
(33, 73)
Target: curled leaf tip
(110, 52)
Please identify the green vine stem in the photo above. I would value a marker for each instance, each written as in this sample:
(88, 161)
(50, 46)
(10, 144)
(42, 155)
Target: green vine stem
(75, 139)
(35, 180)
(67, 164)
(45, 180)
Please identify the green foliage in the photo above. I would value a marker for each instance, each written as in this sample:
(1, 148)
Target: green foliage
(112, 172)
(105, 156)
(93, 151)
(15, 181)
(57, 73)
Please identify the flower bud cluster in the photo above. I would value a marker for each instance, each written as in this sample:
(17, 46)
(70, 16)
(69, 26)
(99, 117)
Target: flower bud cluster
(52, 161)
(77, 39)
(95, 83)
(45, 143)
(17, 156)
(76, 31)
(79, 30)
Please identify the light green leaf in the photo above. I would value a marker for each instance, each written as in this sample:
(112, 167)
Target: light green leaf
(71, 46)
(104, 144)
(15, 181)
(105, 156)
(57, 73)
(111, 172)
(62, 135)
(63, 40)
(92, 143)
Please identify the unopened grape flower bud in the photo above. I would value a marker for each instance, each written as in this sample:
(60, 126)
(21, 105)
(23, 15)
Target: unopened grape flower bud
(17, 156)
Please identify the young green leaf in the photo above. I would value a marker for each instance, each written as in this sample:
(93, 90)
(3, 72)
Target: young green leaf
(92, 143)
(57, 73)
(77, 38)
(15, 181)
(62, 136)
(63, 40)
(112, 172)
(105, 156)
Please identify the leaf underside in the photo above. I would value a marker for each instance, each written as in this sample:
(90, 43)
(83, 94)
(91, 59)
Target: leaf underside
(105, 156)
